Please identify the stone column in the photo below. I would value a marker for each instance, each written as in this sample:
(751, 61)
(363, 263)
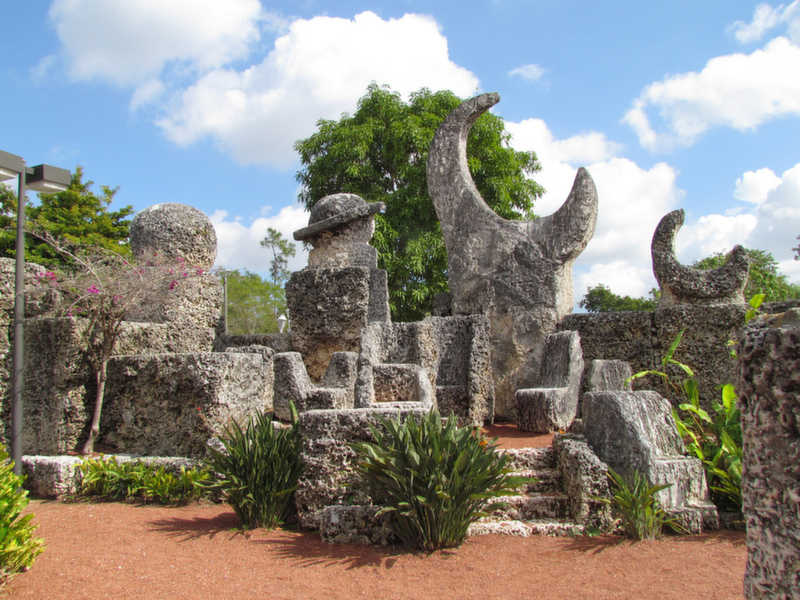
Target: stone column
(341, 290)
(769, 392)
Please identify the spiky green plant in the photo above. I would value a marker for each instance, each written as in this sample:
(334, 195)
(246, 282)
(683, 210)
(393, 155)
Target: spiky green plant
(633, 501)
(258, 470)
(438, 478)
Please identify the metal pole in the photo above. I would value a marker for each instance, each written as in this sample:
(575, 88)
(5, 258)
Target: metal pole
(18, 351)
(225, 298)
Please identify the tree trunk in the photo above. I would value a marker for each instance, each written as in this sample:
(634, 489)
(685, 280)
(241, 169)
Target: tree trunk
(94, 432)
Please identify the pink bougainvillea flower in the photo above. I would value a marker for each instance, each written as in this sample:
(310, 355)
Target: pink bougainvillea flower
(199, 271)
(92, 289)
(173, 284)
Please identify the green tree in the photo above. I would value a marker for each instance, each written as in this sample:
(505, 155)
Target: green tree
(282, 250)
(797, 250)
(74, 216)
(254, 304)
(764, 276)
(380, 153)
(601, 299)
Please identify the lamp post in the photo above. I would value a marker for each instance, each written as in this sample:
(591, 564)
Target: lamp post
(48, 180)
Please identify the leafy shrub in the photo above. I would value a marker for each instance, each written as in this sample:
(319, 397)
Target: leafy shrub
(108, 478)
(438, 478)
(716, 442)
(634, 503)
(258, 470)
(18, 547)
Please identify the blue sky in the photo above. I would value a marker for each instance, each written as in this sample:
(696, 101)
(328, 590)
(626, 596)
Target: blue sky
(692, 105)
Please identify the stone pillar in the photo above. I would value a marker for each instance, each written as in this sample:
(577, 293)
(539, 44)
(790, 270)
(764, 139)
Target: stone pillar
(769, 399)
(341, 290)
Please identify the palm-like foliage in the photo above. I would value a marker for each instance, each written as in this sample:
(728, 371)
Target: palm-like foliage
(438, 478)
(258, 470)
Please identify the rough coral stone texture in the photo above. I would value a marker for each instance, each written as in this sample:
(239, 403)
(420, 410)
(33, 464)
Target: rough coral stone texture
(7, 282)
(704, 346)
(174, 231)
(331, 477)
(59, 386)
(684, 285)
(625, 335)
(194, 301)
(585, 480)
(172, 404)
(518, 273)
(329, 309)
(769, 392)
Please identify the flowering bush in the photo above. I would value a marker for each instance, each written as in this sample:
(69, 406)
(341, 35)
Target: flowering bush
(104, 288)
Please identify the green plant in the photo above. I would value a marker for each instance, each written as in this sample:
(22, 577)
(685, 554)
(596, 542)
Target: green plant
(716, 441)
(18, 547)
(258, 470)
(438, 478)
(108, 478)
(633, 501)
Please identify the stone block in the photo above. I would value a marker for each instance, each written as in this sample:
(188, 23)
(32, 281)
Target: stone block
(331, 478)
(554, 404)
(635, 431)
(59, 386)
(626, 336)
(704, 346)
(356, 525)
(329, 309)
(51, 476)
(585, 481)
(172, 404)
(607, 375)
(401, 383)
(769, 400)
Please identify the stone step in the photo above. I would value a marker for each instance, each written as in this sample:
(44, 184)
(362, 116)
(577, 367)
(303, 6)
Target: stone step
(555, 527)
(531, 507)
(545, 481)
(530, 458)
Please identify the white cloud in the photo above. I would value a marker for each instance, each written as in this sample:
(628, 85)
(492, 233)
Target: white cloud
(128, 43)
(754, 186)
(779, 218)
(766, 17)
(773, 224)
(740, 91)
(317, 70)
(238, 244)
(529, 72)
(631, 201)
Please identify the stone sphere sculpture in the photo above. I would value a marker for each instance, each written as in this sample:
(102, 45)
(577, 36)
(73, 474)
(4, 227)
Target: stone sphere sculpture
(175, 231)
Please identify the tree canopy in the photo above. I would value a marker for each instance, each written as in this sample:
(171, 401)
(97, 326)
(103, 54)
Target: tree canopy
(764, 276)
(254, 304)
(380, 153)
(601, 299)
(74, 216)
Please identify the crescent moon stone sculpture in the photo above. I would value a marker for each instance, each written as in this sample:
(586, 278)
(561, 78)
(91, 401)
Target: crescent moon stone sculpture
(518, 273)
(684, 285)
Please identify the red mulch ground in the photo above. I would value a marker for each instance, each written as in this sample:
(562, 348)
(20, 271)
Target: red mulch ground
(123, 551)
